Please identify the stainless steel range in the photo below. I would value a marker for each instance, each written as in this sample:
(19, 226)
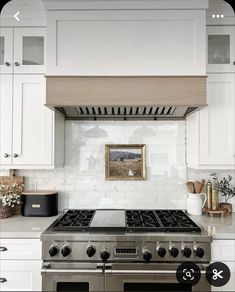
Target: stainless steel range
(122, 250)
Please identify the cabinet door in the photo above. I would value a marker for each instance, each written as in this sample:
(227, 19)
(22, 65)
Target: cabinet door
(29, 50)
(20, 275)
(224, 251)
(6, 50)
(221, 49)
(32, 122)
(20, 249)
(217, 122)
(5, 119)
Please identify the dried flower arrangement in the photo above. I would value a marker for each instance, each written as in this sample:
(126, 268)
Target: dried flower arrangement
(10, 197)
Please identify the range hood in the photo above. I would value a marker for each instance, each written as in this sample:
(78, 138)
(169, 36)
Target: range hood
(126, 97)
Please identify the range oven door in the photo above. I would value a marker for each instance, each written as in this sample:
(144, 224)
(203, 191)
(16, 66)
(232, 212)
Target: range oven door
(149, 277)
(67, 277)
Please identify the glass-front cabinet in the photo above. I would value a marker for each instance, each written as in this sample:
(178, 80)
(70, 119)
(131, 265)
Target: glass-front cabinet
(22, 50)
(6, 50)
(220, 49)
(29, 50)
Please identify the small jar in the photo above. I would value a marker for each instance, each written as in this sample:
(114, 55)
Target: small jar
(215, 199)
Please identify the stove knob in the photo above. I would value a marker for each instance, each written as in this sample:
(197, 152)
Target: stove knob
(174, 252)
(90, 251)
(53, 250)
(104, 254)
(186, 252)
(66, 250)
(199, 252)
(147, 255)
(161, 252)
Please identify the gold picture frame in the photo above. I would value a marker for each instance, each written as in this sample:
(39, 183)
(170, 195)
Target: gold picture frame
(125, 162)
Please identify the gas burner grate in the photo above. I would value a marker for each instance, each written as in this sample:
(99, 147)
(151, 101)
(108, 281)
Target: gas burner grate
(177, 221)
(74, 220)
(142, 220)
(159, 220)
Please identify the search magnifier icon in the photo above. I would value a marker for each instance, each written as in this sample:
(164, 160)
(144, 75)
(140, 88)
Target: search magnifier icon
(188, 274)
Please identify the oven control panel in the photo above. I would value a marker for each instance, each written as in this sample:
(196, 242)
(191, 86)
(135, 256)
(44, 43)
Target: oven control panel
(157, 251)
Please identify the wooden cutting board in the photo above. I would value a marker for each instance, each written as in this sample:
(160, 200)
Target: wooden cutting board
(12, 179)
(9, 180)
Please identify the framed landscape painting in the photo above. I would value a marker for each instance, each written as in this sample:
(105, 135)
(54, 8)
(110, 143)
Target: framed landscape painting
(125, 162)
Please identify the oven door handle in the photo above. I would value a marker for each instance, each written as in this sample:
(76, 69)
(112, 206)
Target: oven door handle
(47, 270)
(145, 272)
(71, 271)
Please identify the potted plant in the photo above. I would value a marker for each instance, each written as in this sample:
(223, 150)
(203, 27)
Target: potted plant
(226, 189)
(10, 197)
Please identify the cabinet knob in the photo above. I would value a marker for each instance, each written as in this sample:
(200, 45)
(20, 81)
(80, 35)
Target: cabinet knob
(17, 64)
(6, 155)
(15, 155)
(3, 248)
(2, 280)
(7, 64)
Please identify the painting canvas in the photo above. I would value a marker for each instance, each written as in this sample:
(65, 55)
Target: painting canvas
(125, 162)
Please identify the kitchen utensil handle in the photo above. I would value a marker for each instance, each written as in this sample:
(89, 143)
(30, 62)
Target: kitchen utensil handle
(203, 204)
(3, 248)
(2, 280)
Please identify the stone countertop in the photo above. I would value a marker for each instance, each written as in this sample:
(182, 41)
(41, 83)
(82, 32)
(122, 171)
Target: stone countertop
(32, 227)
(24, 227)
(217, 227)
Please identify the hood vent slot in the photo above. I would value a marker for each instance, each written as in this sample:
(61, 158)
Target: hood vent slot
(124, 112)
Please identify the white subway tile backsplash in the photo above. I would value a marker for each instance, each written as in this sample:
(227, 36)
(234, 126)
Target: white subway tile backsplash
(81, 183)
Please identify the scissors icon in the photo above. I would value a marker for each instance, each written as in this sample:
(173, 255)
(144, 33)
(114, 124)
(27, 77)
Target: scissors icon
(217, 274)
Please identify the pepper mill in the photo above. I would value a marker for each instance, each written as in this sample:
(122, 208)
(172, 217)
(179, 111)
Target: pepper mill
(209, 194)
(215, 199)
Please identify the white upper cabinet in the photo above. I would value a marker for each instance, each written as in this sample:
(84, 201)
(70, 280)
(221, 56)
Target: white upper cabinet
(32, 122)
(6, 50)
(217, 122)
(211, 131)
(126, 42)
(220, 49)
(5, 119)
(29, 50)
(22, 50)
(31, 135)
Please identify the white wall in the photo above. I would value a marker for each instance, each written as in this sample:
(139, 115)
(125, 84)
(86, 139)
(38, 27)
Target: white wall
(81, 183)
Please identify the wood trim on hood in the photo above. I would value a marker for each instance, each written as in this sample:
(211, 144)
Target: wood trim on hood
(65, 91)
